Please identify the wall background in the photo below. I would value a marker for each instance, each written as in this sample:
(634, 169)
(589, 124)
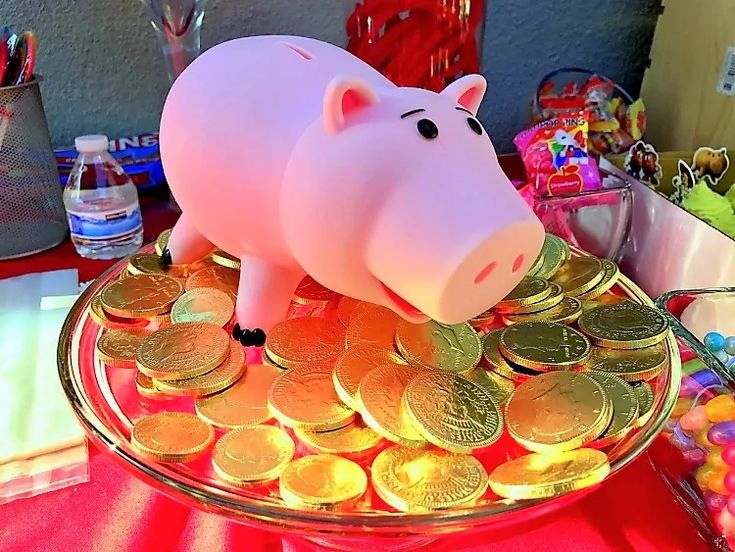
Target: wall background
(103, 72)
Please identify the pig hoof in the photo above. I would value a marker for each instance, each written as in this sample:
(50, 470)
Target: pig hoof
(249, 338)
(258, 337)
(166, 258)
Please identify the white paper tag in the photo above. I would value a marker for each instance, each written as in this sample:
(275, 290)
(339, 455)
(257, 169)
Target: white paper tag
(726, 83)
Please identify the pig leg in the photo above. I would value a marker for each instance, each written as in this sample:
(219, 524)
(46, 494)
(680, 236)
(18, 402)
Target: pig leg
(263, 297)
(186, 244)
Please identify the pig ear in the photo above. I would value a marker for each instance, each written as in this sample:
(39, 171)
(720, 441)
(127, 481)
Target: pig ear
(344, 98)
(467, 91)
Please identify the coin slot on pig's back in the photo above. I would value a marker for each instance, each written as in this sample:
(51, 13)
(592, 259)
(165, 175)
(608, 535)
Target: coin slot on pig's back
(299, 51)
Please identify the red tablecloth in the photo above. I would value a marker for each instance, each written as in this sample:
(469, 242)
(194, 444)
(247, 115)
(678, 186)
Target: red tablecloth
(115, 512)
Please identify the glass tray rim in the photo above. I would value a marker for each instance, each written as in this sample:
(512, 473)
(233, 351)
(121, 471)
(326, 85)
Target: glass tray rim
(254, 510)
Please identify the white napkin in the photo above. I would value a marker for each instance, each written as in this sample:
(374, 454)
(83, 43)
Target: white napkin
(41, 443)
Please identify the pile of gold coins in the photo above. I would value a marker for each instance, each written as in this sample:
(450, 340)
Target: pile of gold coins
(352, 408)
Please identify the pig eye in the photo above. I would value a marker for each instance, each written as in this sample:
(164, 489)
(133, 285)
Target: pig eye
(427, 128)
(474, 125)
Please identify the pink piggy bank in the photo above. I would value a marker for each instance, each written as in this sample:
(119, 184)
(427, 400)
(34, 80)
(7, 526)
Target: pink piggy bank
(299, 158)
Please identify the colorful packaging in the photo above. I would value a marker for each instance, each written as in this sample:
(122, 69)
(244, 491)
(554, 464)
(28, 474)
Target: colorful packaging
(138, 155)
(554, 153)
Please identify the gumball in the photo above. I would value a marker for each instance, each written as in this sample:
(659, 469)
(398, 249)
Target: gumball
(694, 457)
(694, 383)
(694, 365)
(720, 409)
(716, 483)
(730, 345)
(721, 433)
(729, 482)
(715, 501)
(701, 437)
(731, 504)
(682, 406)
(714, 341)
(714, 457)
(728, 455)
(703, 475)
(694, 420)
(727, 522)
(722, 356)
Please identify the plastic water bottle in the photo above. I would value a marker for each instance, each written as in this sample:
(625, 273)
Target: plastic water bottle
(101, 203)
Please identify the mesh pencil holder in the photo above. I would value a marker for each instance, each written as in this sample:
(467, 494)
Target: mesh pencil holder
(31, 207)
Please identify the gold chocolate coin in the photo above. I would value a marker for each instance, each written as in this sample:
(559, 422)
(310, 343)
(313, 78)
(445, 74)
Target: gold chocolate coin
(300, 341)
(452, 412)
(556, 296)
(416, 480)
(624, 407)
(498, 387)
(376, 327)
(243, 404)
(171, 437)
(267, 361)
(631, 365)
(530, 290)
(182, 351)
(140, 296)
(380, 399)
(549, 475)
(304, 397)
(626, 325)
(222, 377)
(557, 411)
(604, 299)
(353, 364)
(537, 264)
(579, 275)
(345, 306)
(144, 386)
(566, 312)
(223, 258)
(644, 394)
(146, 263)
(322, 481)
(217, 277)
(544, 346)
(610, 276)
(203, 305)
(351, 439)
(162, 241)
(555, 252)
(252, 455)
(109, 321)
(456, 348)
(311, 292)
(119, 347)
(491, 353)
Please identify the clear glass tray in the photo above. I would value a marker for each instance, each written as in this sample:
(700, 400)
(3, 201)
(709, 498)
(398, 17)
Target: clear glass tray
(106, 402)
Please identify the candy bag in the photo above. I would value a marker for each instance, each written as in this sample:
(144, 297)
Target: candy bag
(554, 153)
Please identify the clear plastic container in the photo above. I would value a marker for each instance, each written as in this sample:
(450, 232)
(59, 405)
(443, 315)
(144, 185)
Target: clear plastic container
(101, 203)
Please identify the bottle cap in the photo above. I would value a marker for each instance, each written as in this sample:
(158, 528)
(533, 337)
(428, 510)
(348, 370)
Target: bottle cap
(91, 143)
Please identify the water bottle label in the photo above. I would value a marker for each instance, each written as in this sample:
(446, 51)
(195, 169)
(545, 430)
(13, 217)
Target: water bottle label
(105, 225)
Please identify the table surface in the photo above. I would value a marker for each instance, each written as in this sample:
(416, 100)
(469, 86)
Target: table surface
(632, 511)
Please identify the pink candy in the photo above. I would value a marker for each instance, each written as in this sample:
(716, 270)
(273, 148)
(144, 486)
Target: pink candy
(695, 420)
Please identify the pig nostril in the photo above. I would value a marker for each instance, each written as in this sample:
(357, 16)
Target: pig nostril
(484, 273)
(517, 263)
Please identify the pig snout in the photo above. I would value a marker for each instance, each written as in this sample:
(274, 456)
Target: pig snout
(452, 253)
